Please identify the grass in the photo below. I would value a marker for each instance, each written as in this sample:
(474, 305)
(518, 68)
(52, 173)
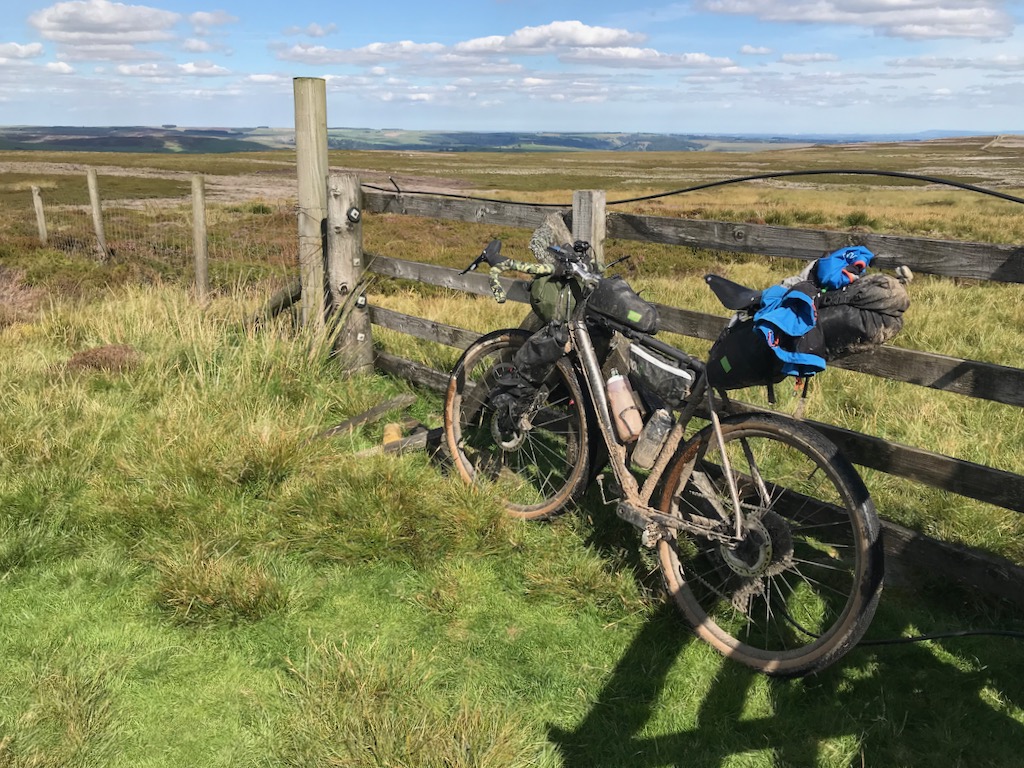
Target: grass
(187, 579)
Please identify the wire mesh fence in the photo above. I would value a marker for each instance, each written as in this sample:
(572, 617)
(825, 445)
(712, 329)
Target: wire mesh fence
(247, 242)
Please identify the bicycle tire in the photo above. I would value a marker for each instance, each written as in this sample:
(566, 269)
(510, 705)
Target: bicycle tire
(803, 588)
(537, 471)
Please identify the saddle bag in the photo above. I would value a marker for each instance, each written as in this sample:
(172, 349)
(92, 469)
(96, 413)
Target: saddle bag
(862, 315)
(782, 339)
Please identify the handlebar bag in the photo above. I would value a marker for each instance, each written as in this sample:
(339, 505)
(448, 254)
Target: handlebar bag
(553, 298)
(615, 299)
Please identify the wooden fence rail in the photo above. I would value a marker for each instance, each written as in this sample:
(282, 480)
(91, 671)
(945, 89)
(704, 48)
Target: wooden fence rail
(990, 574)
(971, 378)
(950, 258)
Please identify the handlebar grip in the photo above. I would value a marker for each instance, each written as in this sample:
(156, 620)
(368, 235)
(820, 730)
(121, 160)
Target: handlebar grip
(511, 265)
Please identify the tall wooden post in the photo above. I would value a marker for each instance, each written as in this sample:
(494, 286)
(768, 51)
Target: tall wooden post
(311, 164)
(345, 269)
(97, 213)
(37, 202)
(199, 243)
(588, 212)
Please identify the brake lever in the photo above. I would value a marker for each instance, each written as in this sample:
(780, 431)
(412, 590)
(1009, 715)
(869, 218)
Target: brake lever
(476, 263)
(618, 260)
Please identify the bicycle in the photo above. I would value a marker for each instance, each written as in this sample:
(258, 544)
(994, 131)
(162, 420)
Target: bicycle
(766, 537)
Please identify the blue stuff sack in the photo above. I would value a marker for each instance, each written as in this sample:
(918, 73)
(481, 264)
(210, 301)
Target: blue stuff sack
(782, 339)
(788, 320)
(840, 268)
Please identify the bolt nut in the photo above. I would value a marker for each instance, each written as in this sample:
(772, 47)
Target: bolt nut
(354, 215)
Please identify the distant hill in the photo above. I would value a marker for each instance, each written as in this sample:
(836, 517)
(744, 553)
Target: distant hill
(174, 139)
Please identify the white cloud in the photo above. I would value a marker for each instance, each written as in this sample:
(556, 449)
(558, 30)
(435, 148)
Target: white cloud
(267, 79)
(312, 30)
(204, 21)
(195, 45)
(1014, 64)
(551, 37)
(99, 22)
(108, 52)
(143, 70)
(755, 50)
(643, 58)
(100, 30)
(807, 58)
(18, 51)
(909, 19)
(60, 68)
(372, 54)
(202, 69)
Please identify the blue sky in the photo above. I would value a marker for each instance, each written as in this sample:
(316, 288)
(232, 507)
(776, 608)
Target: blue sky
(716, 66)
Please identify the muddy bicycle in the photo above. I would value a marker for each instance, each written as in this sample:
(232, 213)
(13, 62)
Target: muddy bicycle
(766, 536)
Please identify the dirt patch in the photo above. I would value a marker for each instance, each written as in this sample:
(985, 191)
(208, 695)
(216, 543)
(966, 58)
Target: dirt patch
(19, 303)
(111, 358)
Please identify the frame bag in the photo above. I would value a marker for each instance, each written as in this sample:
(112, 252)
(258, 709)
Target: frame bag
(614, 299)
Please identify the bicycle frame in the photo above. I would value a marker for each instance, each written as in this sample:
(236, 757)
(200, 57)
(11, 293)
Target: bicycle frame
(635, 507)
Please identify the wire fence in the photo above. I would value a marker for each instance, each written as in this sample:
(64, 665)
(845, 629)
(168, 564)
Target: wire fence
(246, 242)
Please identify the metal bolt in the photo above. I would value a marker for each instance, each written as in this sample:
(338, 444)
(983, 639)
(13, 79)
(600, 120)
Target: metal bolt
(354, 214)
(360, 337)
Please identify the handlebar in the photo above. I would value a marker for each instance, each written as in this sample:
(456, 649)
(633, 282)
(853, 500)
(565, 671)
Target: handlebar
(566, 262)
(511, 265)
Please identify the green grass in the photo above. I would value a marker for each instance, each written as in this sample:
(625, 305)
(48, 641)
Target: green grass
(187, 579)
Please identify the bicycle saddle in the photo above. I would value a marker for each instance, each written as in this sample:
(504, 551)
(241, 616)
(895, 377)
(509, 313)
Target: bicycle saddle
(733, 295)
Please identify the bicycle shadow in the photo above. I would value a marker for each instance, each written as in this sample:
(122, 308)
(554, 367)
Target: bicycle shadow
(958, 702)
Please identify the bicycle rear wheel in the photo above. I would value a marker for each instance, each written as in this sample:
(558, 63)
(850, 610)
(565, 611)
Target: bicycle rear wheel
(537, 466)
(801, 588)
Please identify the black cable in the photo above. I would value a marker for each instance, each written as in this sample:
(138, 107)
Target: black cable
(735, 180)
(919, 638)
(945, 635)
(835, 171)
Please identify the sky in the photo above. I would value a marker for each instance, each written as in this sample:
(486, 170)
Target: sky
(784, 67)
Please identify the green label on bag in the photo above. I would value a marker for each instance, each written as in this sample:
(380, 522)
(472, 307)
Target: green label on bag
(726, 365)
(633, 316)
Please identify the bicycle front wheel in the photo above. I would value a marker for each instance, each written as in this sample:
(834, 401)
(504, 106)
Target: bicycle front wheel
(537, 465)
(800, 588)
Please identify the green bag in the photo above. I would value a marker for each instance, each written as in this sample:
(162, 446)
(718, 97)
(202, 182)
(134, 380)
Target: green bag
(553, 298)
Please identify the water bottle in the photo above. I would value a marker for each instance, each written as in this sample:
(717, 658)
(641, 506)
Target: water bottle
(652, 438)
(625, 413)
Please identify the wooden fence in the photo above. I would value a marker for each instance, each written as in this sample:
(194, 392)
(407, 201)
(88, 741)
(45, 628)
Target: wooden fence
(970, 378)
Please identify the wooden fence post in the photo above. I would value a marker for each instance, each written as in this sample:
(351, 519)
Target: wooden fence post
(37, 202)
(345, 268)
(97, 213)
(588, 220)
(311, 164)
(199, 243)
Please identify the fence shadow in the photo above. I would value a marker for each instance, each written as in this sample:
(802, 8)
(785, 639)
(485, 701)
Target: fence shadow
(949, 703)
